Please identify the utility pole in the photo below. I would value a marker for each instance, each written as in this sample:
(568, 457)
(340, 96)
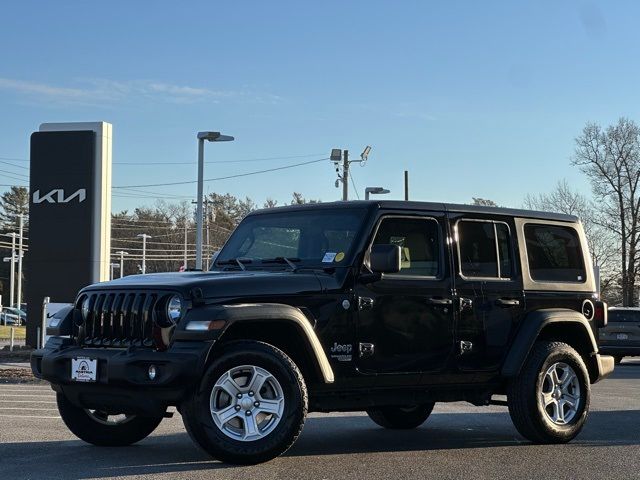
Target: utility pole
(12, 259)
(185, 245)
(122, 254)
(345, 175)
(144, 237)
(20, 254)
(336, 156)
(406, 185)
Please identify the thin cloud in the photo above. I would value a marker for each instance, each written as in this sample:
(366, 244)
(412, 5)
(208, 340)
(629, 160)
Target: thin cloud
(97, 91)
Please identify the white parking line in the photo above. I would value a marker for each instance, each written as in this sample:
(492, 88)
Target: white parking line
(28, 416)
(25, 395)
(26, 401)
(2, 390)
(2, 409)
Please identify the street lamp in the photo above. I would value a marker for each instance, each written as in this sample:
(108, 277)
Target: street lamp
(211, 137)
(12, 259)
(374, 191)
(144, 237)
(122, 254)
(113, 265)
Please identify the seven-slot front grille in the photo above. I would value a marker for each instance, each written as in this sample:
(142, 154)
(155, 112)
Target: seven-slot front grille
(116, 319)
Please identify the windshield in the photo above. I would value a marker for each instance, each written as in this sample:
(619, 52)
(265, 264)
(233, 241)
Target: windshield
(322, 237)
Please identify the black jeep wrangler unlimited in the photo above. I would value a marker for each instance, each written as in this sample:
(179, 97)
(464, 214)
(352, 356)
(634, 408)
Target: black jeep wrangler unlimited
(386, 307)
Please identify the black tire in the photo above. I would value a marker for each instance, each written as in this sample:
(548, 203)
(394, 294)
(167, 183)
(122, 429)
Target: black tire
(199, 422)
(527, 413)
(618, 359)
(87, 427)
(401, 418)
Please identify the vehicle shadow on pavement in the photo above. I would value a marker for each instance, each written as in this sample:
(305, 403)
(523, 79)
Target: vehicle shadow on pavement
(358, 434)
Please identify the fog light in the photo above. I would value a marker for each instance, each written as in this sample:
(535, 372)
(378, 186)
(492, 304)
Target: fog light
(152, 372)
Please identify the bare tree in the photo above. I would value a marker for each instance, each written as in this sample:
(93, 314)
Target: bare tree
(483, 202)
(611, 160)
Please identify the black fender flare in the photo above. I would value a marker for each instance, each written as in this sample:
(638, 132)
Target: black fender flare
(530, 329)
(244, 312)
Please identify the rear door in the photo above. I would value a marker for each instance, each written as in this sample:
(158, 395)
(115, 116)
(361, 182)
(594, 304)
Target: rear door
(488, 289)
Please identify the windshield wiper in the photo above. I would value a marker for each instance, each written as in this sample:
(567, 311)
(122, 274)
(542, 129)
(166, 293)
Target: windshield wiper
(288, 260)
(236, 261)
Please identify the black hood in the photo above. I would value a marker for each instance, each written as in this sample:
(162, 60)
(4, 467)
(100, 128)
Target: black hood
(218, 284)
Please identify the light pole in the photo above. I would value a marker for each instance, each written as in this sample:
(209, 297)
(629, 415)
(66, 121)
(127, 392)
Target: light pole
(122, 254)
(338, 155)
(374, 191)
(12, 259)
(20, 254)
(144, 237)
(211, 137)
(113, 265)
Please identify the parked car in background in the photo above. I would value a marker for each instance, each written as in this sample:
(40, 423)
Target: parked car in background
(12, 316)
(621, 336)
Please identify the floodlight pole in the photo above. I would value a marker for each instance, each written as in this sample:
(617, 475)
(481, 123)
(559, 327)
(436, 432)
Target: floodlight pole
(345, 175)
(144, 237)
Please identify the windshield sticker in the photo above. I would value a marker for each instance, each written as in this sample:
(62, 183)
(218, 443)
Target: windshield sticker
(339, 257)
(328, 257)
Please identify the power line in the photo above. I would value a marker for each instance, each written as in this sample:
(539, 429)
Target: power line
(226, 177)
(221, 161)
(13, 164)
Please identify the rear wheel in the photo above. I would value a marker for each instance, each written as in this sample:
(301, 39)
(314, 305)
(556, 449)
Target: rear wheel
(401, 418)
(102, 428)
(549, 400)
(250, 406)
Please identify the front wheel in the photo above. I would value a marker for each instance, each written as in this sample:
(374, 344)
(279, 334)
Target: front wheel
(250, 406)
(105, 429)
(549, 400)
(401, 418)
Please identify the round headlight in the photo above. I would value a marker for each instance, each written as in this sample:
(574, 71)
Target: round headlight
(174, 308)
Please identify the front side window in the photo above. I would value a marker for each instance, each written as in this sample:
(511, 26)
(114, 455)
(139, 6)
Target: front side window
(484, 249)
(419, 242)
(554, 253)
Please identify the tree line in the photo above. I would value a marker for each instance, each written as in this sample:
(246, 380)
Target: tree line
(608, 156)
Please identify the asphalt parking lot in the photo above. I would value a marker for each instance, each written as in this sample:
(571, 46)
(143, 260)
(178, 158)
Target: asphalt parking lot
(458, 441)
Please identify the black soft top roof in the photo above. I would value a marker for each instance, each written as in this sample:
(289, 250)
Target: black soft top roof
(424, 206)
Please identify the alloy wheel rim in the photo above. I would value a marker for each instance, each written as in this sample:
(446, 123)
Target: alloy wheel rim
(247, 403)
(560, 393)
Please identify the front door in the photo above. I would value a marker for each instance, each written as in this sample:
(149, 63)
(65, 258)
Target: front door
(405, 320)
(488, 288)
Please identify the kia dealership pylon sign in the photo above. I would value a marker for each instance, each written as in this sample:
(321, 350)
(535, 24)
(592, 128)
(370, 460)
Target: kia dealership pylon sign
(69, 214)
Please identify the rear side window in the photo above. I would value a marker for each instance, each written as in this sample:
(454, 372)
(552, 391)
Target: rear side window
(484, 249)
(554, 253)
(624, 316)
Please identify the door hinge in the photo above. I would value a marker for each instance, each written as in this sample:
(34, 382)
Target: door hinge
(365, 303)
(466, 304)
(465, 347)
(366, 349)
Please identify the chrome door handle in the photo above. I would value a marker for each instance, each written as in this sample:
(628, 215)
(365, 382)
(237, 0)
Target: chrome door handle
(439, 301)
(507, 302)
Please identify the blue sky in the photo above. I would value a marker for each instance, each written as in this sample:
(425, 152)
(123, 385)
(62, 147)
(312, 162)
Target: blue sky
(473, 98)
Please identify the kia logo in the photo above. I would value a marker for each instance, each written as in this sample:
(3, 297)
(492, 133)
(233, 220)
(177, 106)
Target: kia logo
(57, 196)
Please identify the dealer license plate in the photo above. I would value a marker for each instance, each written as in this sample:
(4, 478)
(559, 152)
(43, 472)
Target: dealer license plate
(622, 336)
(84, 369)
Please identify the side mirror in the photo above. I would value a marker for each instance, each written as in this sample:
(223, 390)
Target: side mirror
(385, 258)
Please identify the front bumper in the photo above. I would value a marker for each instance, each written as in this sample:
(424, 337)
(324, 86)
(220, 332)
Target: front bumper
(122, 383)
(605, 364)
